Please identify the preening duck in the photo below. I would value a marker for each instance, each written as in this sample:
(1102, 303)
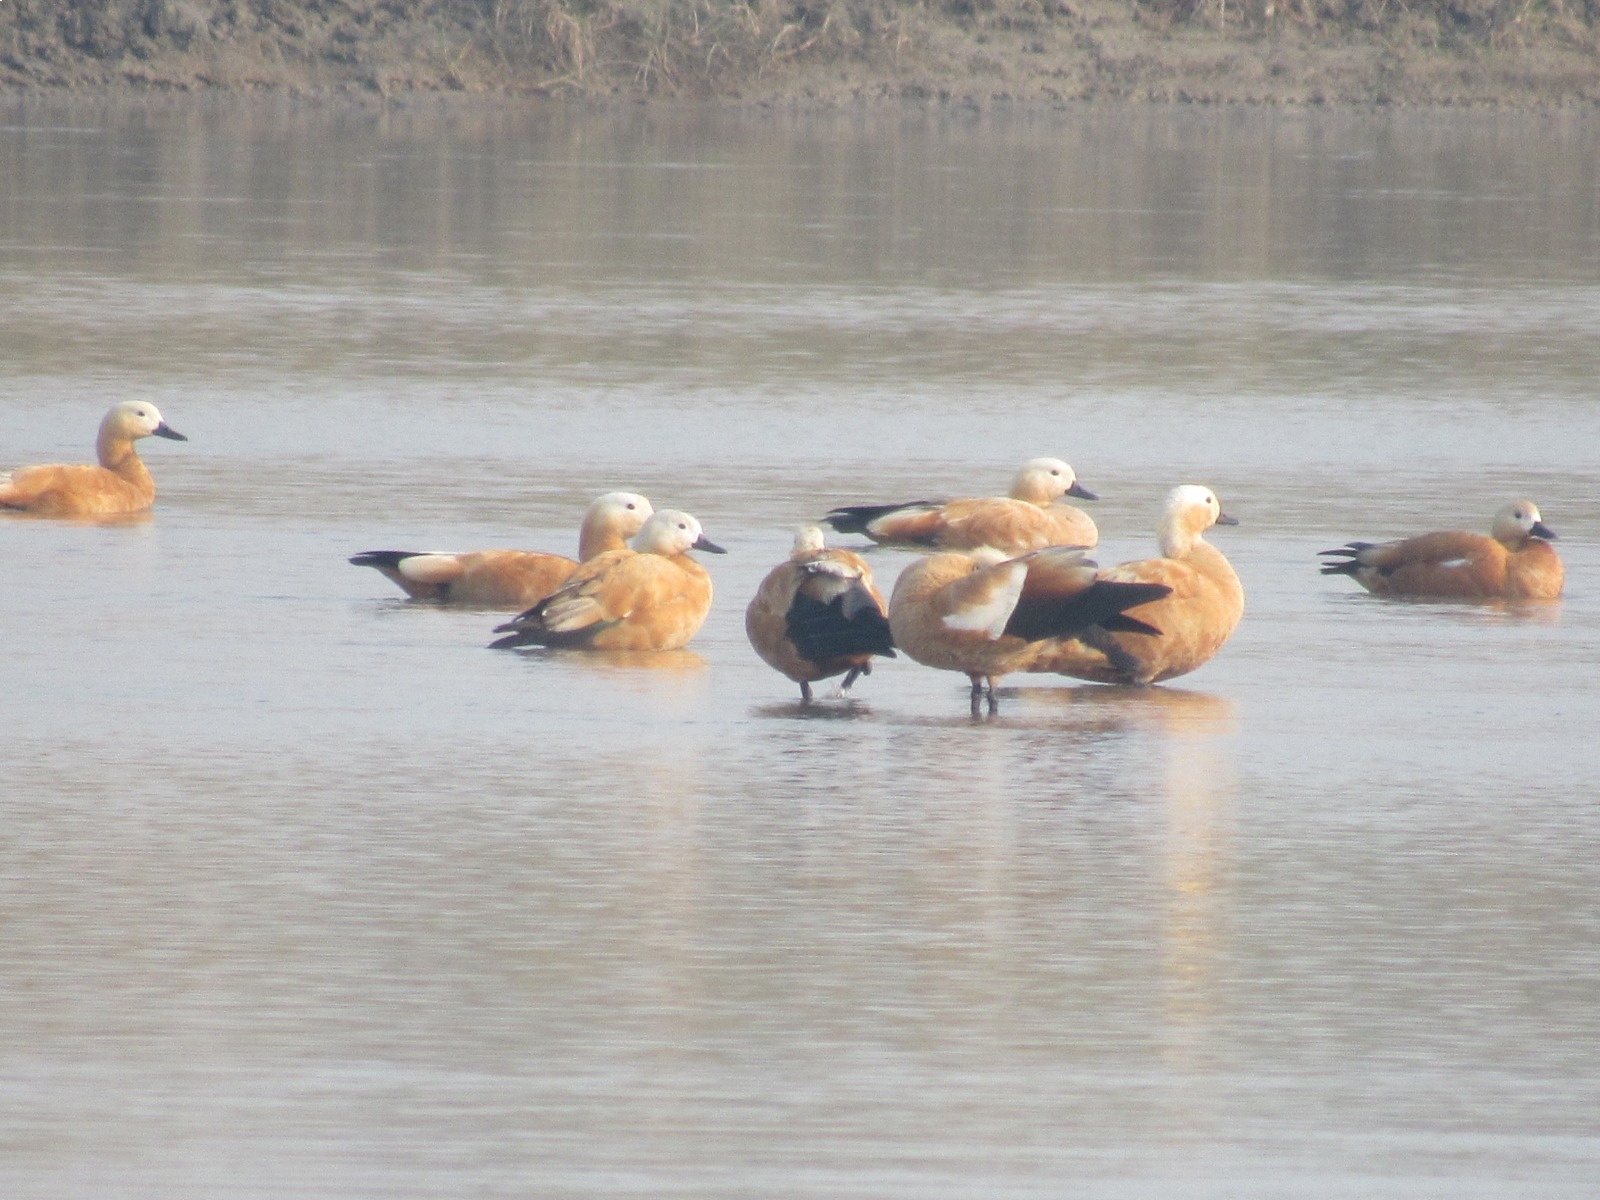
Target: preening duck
(119, 484)
(818, 615)
(652, 597)
(1515, 562)
(510, 578)
(988, 616)
(1198, 613)
(1030, 518)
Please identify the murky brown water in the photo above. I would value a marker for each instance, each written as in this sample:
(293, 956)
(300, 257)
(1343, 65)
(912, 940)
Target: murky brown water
(306, 892)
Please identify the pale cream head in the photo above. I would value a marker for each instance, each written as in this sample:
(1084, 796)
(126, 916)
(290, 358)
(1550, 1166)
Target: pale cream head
(671, 532)
(808, 539)
(1043, 480)
(1191, 510)
(626, 512)
(133, 419)
(1519, 521)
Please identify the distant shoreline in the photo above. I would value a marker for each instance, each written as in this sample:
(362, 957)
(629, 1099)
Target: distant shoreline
(1005, 53)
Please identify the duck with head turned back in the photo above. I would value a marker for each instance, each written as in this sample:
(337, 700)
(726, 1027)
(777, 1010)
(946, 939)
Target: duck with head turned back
(818, 615)
(1515, 562)
(509, 578)
(1030, 518)
(119, 484)
(652, 597)
(1200, 611)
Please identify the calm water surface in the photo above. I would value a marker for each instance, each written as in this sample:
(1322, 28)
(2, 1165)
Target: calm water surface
(306, 892)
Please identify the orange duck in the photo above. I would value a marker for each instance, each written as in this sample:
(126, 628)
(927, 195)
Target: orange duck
(509, 578)
(120, 484)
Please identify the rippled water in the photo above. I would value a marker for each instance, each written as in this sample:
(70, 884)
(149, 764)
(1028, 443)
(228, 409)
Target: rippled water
(305, 892)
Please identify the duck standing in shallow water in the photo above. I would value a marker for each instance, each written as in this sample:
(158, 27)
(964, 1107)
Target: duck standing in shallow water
(1204, 603)
(818, 615)
(120, 484)
(1030, 518)
(653, 597)
(987, 616)
(510, 578)
(1515, 562)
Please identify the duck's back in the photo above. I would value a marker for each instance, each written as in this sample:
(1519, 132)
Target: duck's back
(78, 490)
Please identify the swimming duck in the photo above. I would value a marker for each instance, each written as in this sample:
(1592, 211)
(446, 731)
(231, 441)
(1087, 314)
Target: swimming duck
(120, 484)
(510, 578)
(1515, 562)
(1030, 518)
(652, 597)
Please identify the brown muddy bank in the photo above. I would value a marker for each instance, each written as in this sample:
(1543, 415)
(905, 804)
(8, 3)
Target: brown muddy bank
(1504, 53)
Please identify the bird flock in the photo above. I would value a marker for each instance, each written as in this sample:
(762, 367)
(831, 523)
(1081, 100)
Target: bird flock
(1005, 583)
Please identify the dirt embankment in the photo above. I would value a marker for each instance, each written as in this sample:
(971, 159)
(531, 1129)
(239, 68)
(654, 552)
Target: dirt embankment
(1462, 52)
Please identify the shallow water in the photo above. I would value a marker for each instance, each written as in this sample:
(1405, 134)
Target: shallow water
(308, 893)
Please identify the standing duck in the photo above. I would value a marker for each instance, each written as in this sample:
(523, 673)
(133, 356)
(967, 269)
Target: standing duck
(987, 616)
(818, 615)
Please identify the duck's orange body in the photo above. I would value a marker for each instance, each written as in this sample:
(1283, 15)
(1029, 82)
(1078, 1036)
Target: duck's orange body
(654, 597)
(1516, 562)
(1201, 609)
(1030, 518)
(988, 618)
(119, 484)
(509, 578)
(818, 615)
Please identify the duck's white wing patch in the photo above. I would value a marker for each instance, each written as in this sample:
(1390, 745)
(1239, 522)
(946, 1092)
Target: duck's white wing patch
(430, 568)
(991, 598)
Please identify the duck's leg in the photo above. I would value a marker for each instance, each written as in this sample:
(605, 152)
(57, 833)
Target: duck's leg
(977, 694)
(850, 677)
(805, 692)
(994, 700)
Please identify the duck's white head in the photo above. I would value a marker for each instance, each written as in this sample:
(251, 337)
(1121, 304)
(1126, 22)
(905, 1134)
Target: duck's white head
(626, 512)
(1518, 521)
(1044, 480)
(808, 540)
(671, 532)
(133, 419)
(1191, 510)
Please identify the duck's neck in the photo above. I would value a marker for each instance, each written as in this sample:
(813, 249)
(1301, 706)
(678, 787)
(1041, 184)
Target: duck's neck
(1178, 541)
(1032, 491)
(118, 455)
(597, 536)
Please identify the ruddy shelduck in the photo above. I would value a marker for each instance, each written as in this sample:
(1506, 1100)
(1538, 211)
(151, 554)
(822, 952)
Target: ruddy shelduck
(1030, 518)
(1515, 562)
(510, 578)
(818, 615)
(1199, 612)
(988, 616)
(652, 597)
(120, 484)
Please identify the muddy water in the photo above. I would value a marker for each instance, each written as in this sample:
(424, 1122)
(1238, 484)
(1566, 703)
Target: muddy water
(307, 892)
